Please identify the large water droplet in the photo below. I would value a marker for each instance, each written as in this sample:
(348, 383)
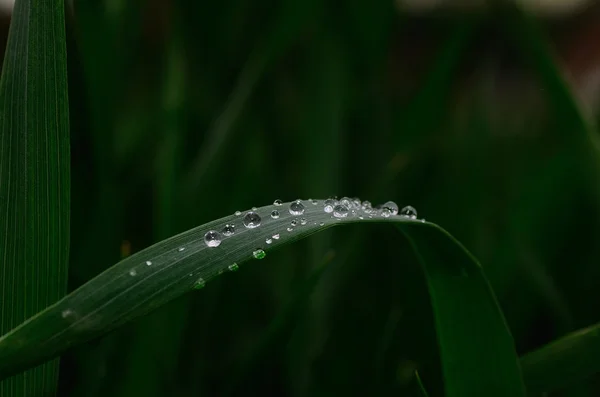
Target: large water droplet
(251, 220)
(200, 283)
(233, 267)
(274, 214)
(148, 263)
(340, 211)
(277, 202)
(212, 238)
(228, 230)
(409, 212)
(391, 207)
(329, 204)
(259, 253)
(297, 208)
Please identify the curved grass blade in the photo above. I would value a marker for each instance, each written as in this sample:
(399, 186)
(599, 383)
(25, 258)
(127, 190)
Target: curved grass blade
(563, 362)
(34, 176)
(470, 325)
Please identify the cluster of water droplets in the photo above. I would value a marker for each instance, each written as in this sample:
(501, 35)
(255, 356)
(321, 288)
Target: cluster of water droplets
(338, 209)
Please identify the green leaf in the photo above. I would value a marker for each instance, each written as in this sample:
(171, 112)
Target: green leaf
(34, 176)
(562, 362)
(478, 356)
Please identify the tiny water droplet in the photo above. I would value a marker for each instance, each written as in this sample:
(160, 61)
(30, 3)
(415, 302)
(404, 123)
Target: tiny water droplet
(356, 203)
(233, 267)
(386, 213)
(409, 212)
(303, 221)
(391, 207)
(322, 224)
(228, 230)
(276, 236)
(294, 222)
(361, 217)
(423, 220)
(290, 229)
(251, 220)
(148, 263)
(238, 213)
(254, 208)
(212, 238)
(314, 202)
(340, 211)
(200, 283)
(277, 202)
(67, 313)
(268, 240)
(367, 206)
(181, 249)
(274, 214)
(132, 272)
(259, 253)
(297, 208)
(346, 201)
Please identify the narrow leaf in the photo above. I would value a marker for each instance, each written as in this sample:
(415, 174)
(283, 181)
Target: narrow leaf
(470, 325)
(563, 362)
(34, 176)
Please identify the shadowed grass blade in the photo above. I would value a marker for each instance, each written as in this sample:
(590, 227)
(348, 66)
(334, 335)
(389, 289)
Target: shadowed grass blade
(34, 176)
(470, 325)
(563, 362)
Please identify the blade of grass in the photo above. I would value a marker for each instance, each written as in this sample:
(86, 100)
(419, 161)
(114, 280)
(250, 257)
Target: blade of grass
(565, 361)
(470, 325)
(34, 176)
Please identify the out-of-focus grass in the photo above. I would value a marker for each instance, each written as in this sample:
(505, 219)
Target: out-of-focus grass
(431, 112)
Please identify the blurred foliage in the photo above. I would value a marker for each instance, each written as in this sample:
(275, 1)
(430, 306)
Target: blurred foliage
(182, 112)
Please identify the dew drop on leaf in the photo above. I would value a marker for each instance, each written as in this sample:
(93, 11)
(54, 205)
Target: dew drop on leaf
(303, 221)
(148, 263)
(409, 212)
(268, 240)
(228, 230)
(259, 253)
(277, 202)
(274, 214)
(251, 220)
(340, 211)
(391, 207)
(276, 236)
(233, 267)
(180, 249)
(297, 208)
(200, 283)
(212, 238)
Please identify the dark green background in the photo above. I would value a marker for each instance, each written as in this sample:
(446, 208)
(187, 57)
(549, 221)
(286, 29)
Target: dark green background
(182, 112)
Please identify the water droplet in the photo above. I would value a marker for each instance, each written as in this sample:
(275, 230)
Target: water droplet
(276, 236)
(322, 224)
(391, 207)
(200, 283)
(259, 253)
(314, 202)
(290, 229)
(356, 203)
(408, 212)
(346, 201)
(367, 206)
(181, 249)
(238, 213)
(294, 222)
(329, 204)
(132, 272)
(386, 213)
(277, 202)
(268, 240)
(212, 238)
(303, 221)
(361, 217)
(228, 230)
(297, 208)
(251, 220)
(340, 211)
(148, 263)
(254, 208)
(233, 267)
(274, 214)
(67, 313)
